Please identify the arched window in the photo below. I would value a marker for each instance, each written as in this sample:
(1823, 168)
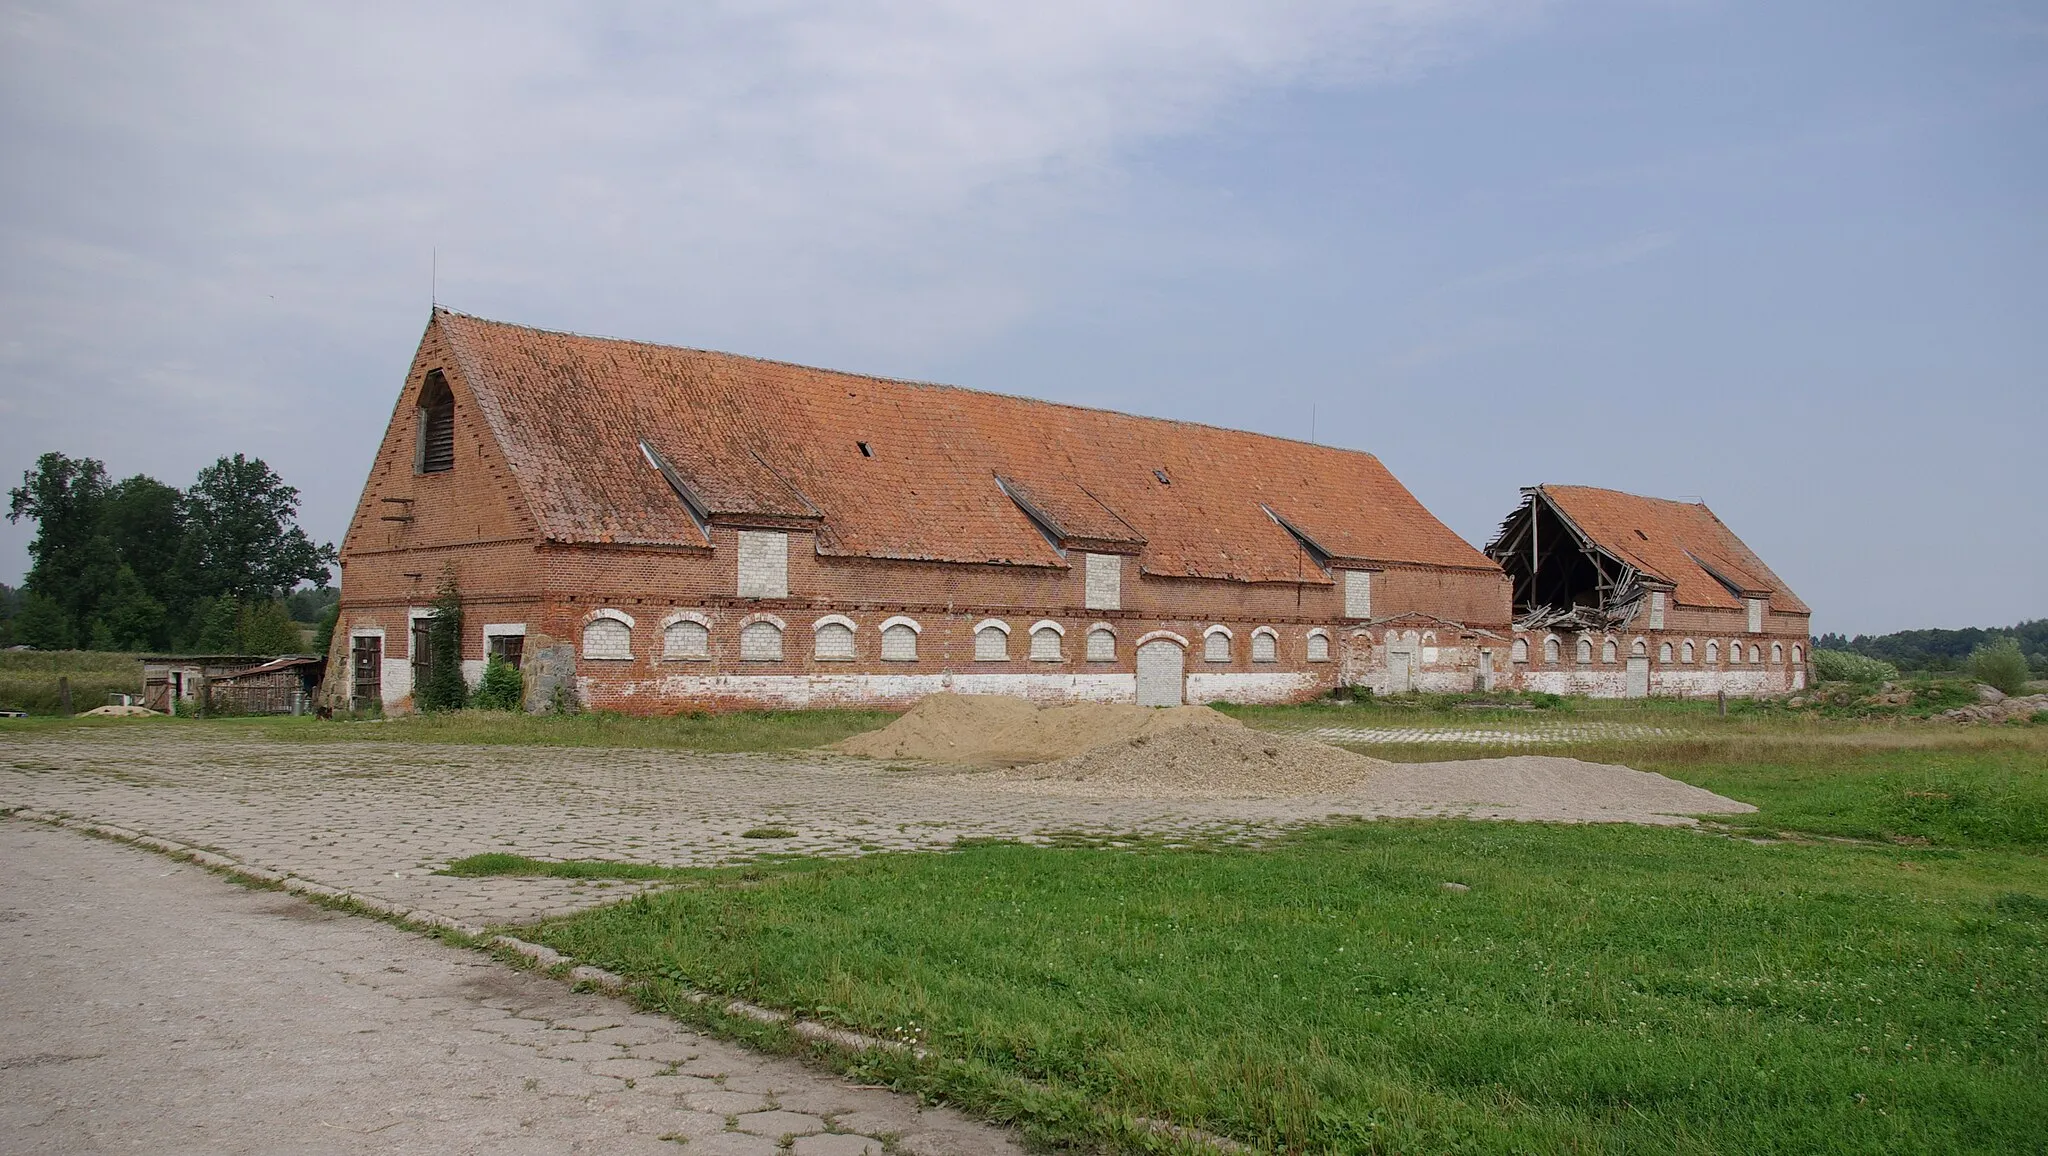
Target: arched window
(832, 639)
(1550, 650)
(686, 638)
(1685, 651)
(608, 634)
(1713, 653)
(1585, 651)
(1216, 646)
(1734, 653)
(435, 453)
(1429, 655)
(1519, 652)
(1265, 645)
(1777, 653)
(899, 640)
(1318, 647)
(1046, 638)
(1664, 653)
(1798, 654)
(1608, 650)
(1756, 655)
(1639, 649)
(1101, 644)
(991, 641)
(761, 641)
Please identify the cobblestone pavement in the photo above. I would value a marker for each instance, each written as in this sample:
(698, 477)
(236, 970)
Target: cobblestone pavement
(378, 819)
(1518, 734)
(152, 1007)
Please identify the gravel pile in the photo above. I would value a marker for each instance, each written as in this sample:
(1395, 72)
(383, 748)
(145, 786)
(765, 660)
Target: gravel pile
(1194, 762)
(994, 730)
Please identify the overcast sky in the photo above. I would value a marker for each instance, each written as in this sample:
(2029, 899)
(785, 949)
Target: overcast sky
(1788, 258)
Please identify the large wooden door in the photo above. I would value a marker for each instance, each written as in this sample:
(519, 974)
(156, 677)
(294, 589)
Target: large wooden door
(1159, 673)
(366, 673)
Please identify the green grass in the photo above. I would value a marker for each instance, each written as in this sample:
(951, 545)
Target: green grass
(1598, 989)
(1876, 982)
(493, 863)
(28, 678)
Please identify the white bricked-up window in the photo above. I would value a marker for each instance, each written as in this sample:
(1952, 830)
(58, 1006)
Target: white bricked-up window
(1756, 655)
(1798, 655)
(899, 640)
(1756, 616)
(1585, 651)
(1664, 653)
(1713, 652)
(764, 564)
(1429, 651)
(1105, 573)
(1519, 652)
(686, 640)
(1550, 650)
(1045, 643)
(1777, 653)
(608, 637)
(1216, 646)
(1608, 650)
(832, 640)
(1685, 651)
(1734, 653)
(1102, 644)
(1357, 594)
(1656, 610)
(1319, 648)
(991, 642)
(1265, 645)
(1638, 648)
(761, 642)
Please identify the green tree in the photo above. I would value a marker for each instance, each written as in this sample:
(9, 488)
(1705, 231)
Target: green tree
(133, 619)
(323, 634)
(72, 562)
(43, 624)
(215, 623)
(267, 628)
(2000, 664)
(240, 537)
(443, 688)
(145, 520)
(310, 603)
(502, 688)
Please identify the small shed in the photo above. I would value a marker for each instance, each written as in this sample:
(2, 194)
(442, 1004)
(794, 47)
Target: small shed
(240, 683)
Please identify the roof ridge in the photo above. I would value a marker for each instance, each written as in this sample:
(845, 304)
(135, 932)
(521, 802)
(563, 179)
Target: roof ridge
(915, 383)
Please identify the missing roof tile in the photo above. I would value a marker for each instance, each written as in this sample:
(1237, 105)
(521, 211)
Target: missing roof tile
(865, 450)
(1163, 479)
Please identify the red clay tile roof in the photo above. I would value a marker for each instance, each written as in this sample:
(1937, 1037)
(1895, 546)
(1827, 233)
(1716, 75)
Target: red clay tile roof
(767, 441)
(1679, 542)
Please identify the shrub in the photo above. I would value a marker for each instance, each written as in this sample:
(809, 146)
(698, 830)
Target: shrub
(502, 688)
(1846, 666)
(2000, 664)
(444, 688)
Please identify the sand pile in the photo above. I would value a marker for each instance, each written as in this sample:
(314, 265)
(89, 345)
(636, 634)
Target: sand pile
(993, 730)
(1194, 762)
(119, 712)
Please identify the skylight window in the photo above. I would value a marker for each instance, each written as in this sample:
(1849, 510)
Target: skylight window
(1163, 479)
(865, 450)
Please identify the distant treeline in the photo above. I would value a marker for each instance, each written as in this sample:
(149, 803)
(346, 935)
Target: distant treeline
(1944, 650)
(140, 565)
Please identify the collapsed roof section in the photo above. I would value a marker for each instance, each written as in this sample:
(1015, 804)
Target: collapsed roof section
(1582, 557)
(629, 443)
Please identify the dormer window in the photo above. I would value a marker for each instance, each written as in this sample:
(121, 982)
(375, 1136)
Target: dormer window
(435, 453)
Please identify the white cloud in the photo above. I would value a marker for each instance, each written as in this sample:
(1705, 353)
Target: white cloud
(216, 218)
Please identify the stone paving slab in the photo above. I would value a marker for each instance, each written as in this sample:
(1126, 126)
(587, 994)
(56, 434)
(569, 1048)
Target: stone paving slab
(153, 1007)
(379, 819)
(1518, 734)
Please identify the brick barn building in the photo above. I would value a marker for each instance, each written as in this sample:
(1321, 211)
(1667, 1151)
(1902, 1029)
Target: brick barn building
(650, 529)
(1618, 595)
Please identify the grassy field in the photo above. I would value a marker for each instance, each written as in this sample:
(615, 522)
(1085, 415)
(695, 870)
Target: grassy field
(1875, 981)
(28, 678)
